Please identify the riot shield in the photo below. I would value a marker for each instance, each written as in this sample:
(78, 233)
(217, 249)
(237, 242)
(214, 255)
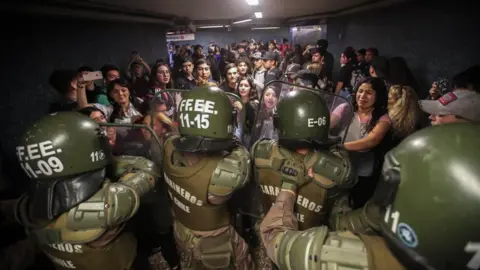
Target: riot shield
(166, 102)
(133, 140)
(341, 110)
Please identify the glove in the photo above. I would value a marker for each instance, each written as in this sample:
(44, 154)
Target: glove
(349, 176)
(293, 175)
(339, 150)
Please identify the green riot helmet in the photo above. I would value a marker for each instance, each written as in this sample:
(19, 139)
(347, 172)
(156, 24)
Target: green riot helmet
(301, 118)
(63, 153)
(430, 194)
(206, 121)
(298, 116)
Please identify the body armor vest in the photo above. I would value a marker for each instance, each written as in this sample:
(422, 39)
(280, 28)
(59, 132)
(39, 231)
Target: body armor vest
(188, 188)
(117, 255)
(311, 206)
(69, 249)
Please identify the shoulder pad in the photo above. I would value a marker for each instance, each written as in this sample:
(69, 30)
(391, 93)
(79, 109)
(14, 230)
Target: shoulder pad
(332, 169)
(262, 148)
(110, 207)
(313, 247)
(231, 173)
(133, 164)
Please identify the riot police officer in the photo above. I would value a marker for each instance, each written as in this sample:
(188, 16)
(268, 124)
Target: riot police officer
(429, 195)
(302, 121)
(204, 166)
(75, 209)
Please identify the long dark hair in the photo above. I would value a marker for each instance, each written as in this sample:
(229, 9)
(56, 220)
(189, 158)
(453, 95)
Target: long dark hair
(117, 109)
(153, 75)
(381, 100)
(253, 95)
(245, 60)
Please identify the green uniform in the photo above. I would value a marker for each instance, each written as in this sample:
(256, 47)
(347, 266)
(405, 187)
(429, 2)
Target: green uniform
(301, 120)
(203, 167)
(429, 205)
(77, 212)
(319, 196)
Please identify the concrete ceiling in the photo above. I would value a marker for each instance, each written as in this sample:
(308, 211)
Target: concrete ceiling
(204, 12)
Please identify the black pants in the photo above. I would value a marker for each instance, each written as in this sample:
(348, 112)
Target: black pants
(363, 190)
(150, 241)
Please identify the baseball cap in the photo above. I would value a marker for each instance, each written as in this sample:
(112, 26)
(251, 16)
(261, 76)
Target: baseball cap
(257, 55)
(463, 103)
(270, 56)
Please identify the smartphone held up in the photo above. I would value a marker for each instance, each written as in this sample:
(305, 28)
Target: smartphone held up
(92, 76)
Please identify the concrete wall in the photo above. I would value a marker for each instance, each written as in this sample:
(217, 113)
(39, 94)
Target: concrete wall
(223, 37)
(435, 38)
(36, 46)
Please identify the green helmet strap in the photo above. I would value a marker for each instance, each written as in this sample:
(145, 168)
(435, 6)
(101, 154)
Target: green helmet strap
(195, 144)
(50, 199)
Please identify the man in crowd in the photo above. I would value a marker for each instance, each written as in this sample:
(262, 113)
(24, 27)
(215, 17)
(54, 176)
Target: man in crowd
(453, 107)
(270, 64)
(65, 82)
(258, 72)
(328, 60)
(186, 79)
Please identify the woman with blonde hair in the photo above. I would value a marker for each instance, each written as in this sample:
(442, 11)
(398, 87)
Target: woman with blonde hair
(404, 112)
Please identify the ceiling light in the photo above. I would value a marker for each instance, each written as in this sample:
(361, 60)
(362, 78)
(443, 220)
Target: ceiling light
(266, 28)
(211, 26)
(258, 15)
(242, 21)
(252, 2)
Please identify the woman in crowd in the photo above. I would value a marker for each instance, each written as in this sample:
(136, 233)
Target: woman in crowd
(231, 77)
(124, 108)
(404, 113)
(244, 66)
(248, 94)
(161, 79)
(99, 117)
(264, 123)
(272, 46)
(369, 126)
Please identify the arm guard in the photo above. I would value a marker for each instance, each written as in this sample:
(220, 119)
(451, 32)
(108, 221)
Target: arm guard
(316, 248)
(334, 169)
(231, 173)
(132, 164)
(364, 220)
(113, 205)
